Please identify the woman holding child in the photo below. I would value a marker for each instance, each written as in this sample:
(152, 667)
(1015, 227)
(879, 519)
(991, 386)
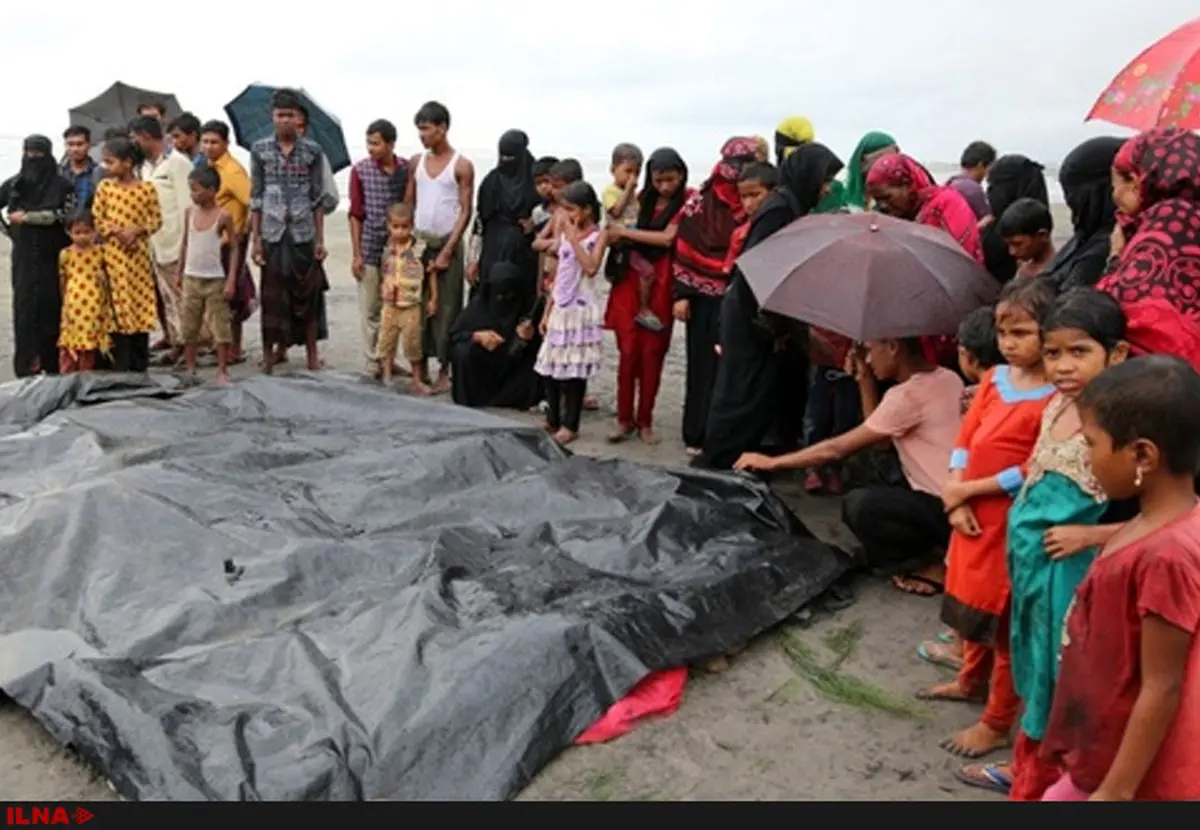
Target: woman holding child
(706, 227)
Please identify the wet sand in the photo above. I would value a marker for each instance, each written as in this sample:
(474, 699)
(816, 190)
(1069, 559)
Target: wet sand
(761, 730)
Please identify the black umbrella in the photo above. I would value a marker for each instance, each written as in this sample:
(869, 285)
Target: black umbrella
(250, 116)
(116, 106)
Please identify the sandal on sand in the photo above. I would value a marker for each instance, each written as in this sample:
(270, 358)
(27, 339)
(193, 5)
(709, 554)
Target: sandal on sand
(917, 585)
(939, 654)
(991, 777)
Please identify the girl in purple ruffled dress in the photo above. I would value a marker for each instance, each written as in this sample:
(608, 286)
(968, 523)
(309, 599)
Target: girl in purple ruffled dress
(573, 325)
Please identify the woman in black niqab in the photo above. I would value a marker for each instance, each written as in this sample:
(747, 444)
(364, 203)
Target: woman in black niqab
(1012, 177)
(761, 386)
(502, 376)
(1086, 180)
(37, 200)
(507, 197)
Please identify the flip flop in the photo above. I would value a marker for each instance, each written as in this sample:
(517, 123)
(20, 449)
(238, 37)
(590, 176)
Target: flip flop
(984, 776)
(943, 660)
(946, 637)
(935, 587)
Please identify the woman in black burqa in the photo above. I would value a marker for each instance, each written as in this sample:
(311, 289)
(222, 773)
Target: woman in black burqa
(494, 345)
(37, 200)
(1086, 180)
(761, 386)
(507, 197)
(1012, 177)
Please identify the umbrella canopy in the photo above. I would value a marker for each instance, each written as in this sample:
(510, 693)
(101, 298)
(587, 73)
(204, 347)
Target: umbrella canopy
(250, 116)
(1160, 88)
(867, 276)
(117, 106)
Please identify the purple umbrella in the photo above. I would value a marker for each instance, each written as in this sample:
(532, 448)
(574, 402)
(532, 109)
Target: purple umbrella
(867, 276)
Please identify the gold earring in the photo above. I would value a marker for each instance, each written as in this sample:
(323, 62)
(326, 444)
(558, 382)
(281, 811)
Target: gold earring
(1137, 479)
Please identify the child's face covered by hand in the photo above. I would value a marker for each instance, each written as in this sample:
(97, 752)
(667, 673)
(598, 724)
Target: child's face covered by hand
(625, 174)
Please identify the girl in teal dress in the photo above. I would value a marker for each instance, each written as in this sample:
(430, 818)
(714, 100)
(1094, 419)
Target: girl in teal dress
(1054, 526)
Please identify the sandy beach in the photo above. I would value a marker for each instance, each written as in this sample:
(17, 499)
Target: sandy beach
(824, 711)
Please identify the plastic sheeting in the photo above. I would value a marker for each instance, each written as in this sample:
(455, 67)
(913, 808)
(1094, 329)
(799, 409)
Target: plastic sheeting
(432, 601)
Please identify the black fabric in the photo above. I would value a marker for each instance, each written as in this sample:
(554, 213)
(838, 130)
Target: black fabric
(1086, 180)
(504, 377)
(564, 403)
(900, 529)
(36, 296)
(761, 383)
(650, 219)
(1012, 177)
(312, 588)
(131, 352)
(507, 195)
(702, 335)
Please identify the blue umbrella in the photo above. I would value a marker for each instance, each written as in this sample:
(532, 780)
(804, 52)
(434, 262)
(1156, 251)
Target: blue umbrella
(250, 116)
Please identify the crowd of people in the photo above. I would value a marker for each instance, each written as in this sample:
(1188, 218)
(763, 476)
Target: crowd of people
(1036, 471)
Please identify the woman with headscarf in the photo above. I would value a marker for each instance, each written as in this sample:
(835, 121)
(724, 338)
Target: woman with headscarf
(706, 226)
(37, 200)
(1012, 177)
(641, 351)
(503, 220)
(494, 344)
(903, 188)
(870, 147)
(1086, 180)
(761, 376)
(793, 132)
(1156, 277)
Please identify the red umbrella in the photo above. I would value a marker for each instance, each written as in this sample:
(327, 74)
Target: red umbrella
(1160, 88)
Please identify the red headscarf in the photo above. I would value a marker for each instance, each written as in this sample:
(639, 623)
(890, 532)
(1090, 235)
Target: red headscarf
(708, 222)
(1157, 278)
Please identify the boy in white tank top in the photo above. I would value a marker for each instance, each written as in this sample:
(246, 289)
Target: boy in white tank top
(206, 285)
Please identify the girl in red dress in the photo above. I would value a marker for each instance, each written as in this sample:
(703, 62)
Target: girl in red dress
(1125, 724)
(641, 351)
(987, 470)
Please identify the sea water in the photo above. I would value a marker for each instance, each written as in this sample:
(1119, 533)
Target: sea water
(595, 168)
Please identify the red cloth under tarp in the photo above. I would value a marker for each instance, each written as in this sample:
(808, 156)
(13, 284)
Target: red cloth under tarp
(658, 693)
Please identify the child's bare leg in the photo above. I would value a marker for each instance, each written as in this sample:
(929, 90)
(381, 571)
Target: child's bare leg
(387, 361)
(310, 346)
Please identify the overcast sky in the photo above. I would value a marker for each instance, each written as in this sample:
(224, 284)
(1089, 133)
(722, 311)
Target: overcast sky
(579, 77)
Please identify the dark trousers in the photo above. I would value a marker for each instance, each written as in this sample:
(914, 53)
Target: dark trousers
(564, 400)
(834, 405)
(131, 352)
(900, 529)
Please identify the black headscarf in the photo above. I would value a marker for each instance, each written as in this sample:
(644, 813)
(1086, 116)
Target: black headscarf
(1086, 180)
(662, 159)
(1012, 177)
(504, 294)
(38, 186)
(805, 171)
(508, 190)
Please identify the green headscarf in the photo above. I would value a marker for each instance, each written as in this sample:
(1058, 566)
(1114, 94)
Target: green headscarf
(856, 181)
(835, 200)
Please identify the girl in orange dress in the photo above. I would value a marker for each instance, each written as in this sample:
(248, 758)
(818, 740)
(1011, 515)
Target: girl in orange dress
(87, 318)
(997, 437)
(127, 213)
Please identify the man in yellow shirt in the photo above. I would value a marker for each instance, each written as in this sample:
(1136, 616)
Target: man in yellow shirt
(233, 197)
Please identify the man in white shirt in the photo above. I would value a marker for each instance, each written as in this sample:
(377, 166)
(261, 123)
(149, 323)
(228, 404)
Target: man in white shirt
(168, 172)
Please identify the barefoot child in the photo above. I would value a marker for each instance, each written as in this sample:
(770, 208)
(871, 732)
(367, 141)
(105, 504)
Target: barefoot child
(405, 275)
(574, 337)
(621, 209)
(997, 436)
(1125, 724)
(1053, 528)
(206, 280)
(87, 316)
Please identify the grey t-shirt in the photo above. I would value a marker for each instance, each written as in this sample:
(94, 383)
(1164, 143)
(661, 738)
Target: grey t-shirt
(973, 192)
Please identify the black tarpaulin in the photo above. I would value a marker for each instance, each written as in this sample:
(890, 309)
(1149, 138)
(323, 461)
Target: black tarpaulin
(434, 601)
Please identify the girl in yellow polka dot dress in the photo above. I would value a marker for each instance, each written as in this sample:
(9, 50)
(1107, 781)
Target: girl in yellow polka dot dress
(127, 213)
(87, 318)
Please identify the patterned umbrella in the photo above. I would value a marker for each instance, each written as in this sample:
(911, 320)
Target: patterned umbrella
(250, 116)
(117, 106)
(1160, 88)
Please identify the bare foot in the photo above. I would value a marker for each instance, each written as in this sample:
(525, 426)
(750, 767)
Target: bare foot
(443, 385)
(950, 692)
(714, 665)
(648, 437)
(621, 433)
(421, 389)
(976, 741)
(590, 403)
(316, 364)
(546, 426)
(564, 436)
(693, 451)
(222, 379)
(917, 585)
